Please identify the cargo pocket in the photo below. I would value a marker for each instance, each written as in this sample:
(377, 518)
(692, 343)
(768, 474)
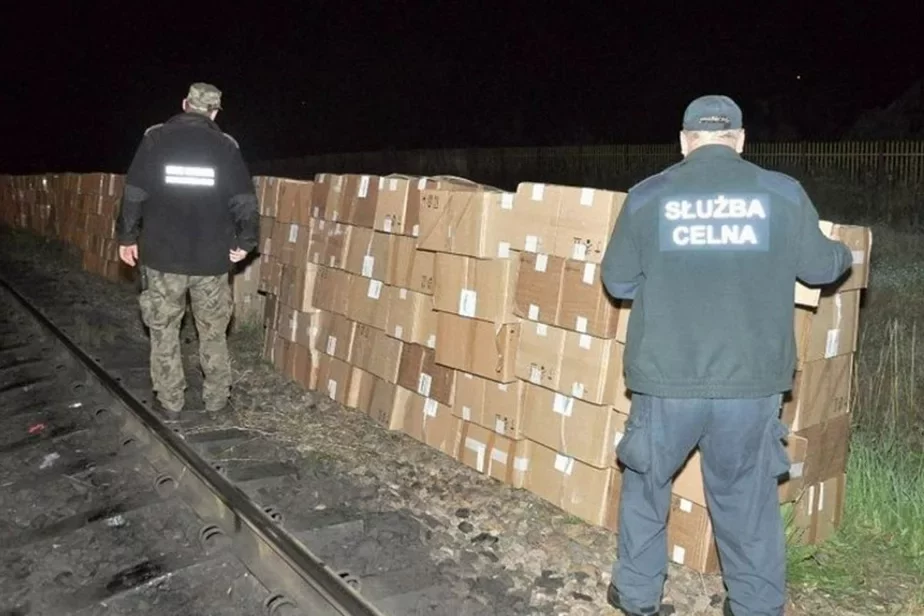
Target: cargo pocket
(778, 462)
(634, 450)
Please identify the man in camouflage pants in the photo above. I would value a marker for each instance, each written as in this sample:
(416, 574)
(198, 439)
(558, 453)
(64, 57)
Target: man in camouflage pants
(189, 203)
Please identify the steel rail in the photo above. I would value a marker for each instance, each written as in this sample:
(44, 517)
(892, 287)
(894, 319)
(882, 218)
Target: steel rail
(300, 581)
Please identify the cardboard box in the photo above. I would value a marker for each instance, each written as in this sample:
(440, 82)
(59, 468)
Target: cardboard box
(538, 207)
(433, 423)
(476, 288)
(368, 302)
(421, 374)
(390, 404)
(829, 330)
(334, 377)
(471, 223)
(398, 207)
(360, 198)
(820, 511)
(827, 449)
(538, 289)
(690, 538)
(492, 455)
(592, 370)
(478, 347)
(294, 198)
(586, 219)
(860, 241)
(572, 427)
(368, 254)
(575, 487)
(821, 391)
(586, 307)
(410, 317)
(539, 354)
(498, 407)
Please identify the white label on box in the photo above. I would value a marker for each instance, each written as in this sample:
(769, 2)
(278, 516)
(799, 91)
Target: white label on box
(579, 251)
(502, 386)
(393, 184)
(532, 243)
(402, 293)
(796, 470)
(590, 271)
(585, 341)
(499, 456)
(375, 289)
(415, 230)
(381, 183)
(507, 201)
(333, 261)
(686, 506)
(467, 413)
(368, 265)
(542, 330)
(336, 217)
(542, 262)
(859, 257)
(386, 225)
(587, 196)
(331, 345)
(503, 250)
(312, 331)
(564, 464)
(399, 332)
(581, 325)
(500, 425)
(431, 341)
(430, 407)
(293, 233)
(521, 465)
(267, 244)
(338, 183)
(293, 325)
(678, 555)
(421, 183)
(332, 388)
(563, 405)
(617, 438)
(538, 192)
(468, 303)
(317, 214)
(533, 313)
(832, 344)
(535, 374)
(321, 224)
(363, 187)
(577, 390)
(424, 383)
(479, 449)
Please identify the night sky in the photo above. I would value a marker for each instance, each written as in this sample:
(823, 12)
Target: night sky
(83, 83)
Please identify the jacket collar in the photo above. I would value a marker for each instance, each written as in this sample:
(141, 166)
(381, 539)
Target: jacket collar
(194, 119)
(713, 152)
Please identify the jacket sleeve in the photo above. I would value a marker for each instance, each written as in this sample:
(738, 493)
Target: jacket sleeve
(245, 210)
(621, 269)
(821, 260)
(128, 223)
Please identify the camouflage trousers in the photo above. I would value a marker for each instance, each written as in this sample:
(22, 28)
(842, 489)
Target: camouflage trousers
(163, 304)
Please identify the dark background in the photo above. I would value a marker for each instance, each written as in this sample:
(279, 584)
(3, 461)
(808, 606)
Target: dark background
(83, 82)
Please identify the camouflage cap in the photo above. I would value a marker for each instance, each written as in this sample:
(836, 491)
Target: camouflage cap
(204, 97)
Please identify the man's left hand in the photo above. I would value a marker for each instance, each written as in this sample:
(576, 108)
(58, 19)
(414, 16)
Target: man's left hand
(237, 255)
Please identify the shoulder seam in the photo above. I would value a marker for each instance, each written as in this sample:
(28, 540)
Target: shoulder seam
(150, 128)
(233, 140)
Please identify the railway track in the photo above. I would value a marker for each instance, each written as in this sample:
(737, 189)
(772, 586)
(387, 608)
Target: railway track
(105, 508)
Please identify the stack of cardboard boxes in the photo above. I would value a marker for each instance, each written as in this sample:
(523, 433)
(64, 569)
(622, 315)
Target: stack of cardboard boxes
(475, 321)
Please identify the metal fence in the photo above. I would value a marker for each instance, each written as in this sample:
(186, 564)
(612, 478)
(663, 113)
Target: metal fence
(613, 166)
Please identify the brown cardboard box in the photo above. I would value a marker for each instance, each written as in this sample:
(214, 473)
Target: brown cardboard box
(369, 254)
(411, 317)
(820, 510)
(332, 290)
(398, 194)
(308, 326)
(320, 232)
(611, 522)
(831, 329)
(573, 427)
(294, 200)
(476, 288)
(592, 370)
(585, 306)
(390, 404)
(821, 391)
(478, 347)
(492, 455)
(538, 288)
(419, 373)
(498, 407)
(468, 403)
(433, 423)
(360, 197)
(268, 194)
(385, 360)
(334, 377)
(362, 386)
(690, 540)
(579, 489)
(538, 207)
(401, 252)
(335, 208)
(368, 302)
(860, 241)
(471, 223)
(337, 247)
(827, 449)
(539, 354)
(335, 337)
(585, 222)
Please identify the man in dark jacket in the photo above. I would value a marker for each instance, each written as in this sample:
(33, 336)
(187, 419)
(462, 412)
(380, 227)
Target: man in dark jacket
(189, 210)
(709, 250)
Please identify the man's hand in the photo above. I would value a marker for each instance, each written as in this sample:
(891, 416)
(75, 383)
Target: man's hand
(129, 254)
(237, 255)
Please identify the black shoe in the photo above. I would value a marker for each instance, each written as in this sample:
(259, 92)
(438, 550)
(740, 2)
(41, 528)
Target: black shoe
(612, 597)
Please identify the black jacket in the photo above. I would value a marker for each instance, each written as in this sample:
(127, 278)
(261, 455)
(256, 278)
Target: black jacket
(188, 199)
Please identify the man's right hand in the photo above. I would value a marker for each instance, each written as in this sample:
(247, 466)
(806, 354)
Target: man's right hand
(129, 254)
